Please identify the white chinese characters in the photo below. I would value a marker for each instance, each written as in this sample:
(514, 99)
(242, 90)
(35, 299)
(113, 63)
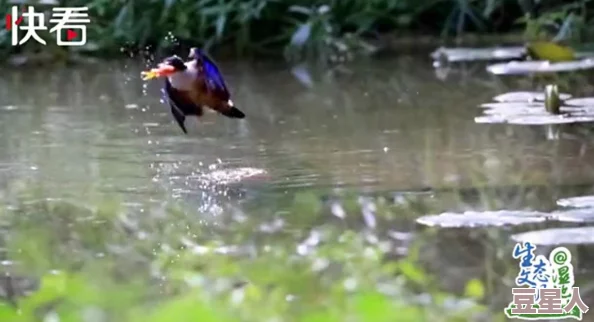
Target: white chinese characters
(69, 19)
(68, 22)
(30, 22)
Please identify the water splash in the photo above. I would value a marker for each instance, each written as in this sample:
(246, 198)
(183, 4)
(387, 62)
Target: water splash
(172, 39)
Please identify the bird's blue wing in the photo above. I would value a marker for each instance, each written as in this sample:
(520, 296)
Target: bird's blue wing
(213, 74)
(211, 71)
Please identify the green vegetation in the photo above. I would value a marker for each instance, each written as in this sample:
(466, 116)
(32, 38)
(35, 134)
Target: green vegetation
(311, 28)
(166, 265)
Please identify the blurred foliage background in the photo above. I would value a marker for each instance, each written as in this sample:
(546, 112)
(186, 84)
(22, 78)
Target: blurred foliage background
(305, 28)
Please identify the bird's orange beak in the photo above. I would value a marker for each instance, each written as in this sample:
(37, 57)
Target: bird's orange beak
(163, 70)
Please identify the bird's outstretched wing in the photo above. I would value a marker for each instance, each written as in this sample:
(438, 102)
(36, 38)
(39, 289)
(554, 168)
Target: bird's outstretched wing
(213, 77)
(181, 105)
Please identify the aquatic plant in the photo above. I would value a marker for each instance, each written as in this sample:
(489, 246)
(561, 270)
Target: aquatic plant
(324, 28)
(106, 261)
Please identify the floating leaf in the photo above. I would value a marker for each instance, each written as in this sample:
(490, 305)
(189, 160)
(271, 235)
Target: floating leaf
(512, 105)
(533, 119)
(547, 50)
(483, 219)
(528, 108)
(526, 97)
(582, 101)
(557, 236)
(574, 215)
(490, 119)
(530, 67)
(477, 54)
(514, 110)
(577, 202)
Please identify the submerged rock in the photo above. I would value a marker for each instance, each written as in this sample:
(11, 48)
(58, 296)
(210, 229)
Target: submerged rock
(557, 236)
(470, 219)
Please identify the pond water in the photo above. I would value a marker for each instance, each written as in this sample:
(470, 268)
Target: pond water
(381, 127)
(386, 126)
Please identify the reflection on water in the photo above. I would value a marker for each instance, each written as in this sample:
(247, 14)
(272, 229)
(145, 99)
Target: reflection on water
(388, 126)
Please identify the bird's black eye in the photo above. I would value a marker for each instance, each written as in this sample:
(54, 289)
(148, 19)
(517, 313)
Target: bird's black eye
(176, 62)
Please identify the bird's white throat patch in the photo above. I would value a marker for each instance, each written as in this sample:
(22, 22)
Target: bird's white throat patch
(182, 80)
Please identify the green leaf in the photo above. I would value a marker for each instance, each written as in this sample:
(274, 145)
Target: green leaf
(300, 9)
(373, 306)
(475, 289)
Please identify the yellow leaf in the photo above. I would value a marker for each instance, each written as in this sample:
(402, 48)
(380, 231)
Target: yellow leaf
(546, 50)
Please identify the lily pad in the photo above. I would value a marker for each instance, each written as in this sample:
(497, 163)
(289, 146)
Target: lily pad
(526, 97)
(473, 219)
(528, 108)
(584, 215)
(582, 101)
(530, 67)
(512, 104)
(514, 109)
(533, 119)
(478, 54)
(558, 236)
(577, 202)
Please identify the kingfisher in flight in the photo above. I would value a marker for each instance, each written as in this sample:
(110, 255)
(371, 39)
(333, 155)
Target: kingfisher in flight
(192, 85)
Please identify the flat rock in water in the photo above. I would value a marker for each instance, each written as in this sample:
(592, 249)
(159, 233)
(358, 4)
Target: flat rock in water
(577, 202)
(471, 219)
(531, 67)
(526, 97)
(557, 236)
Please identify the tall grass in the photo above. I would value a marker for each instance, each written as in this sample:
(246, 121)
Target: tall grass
(303, 28)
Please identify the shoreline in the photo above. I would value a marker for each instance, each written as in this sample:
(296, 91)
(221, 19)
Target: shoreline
(386, 44)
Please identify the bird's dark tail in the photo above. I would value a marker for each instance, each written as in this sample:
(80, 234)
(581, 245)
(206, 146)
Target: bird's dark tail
(233, 112)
